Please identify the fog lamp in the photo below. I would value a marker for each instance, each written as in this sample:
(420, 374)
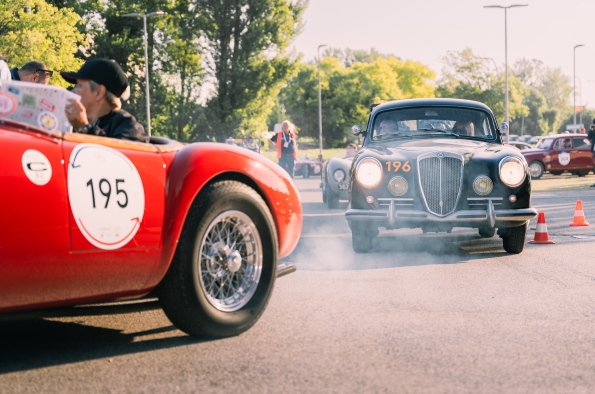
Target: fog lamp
(483, 185)
(398, 186)
(512, 198)
(370, 200)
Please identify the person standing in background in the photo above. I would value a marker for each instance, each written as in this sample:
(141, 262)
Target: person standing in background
(591, 137)
(286, 144)
(4, 70)
(32, 71)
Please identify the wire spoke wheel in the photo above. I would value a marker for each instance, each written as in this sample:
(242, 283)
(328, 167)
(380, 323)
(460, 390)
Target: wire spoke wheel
(230, 261)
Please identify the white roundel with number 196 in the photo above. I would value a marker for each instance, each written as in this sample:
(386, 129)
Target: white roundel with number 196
(106, 195)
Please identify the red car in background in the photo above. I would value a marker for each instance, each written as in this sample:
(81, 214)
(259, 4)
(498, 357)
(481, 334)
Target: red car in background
(559, 153)
(306, 167)
(194, 229)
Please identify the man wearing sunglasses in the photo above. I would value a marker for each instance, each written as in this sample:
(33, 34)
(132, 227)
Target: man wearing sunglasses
(32, 71)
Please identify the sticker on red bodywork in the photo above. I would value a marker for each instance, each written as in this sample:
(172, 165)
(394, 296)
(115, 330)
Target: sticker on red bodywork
(7, 104)
(37, 167)
(106, 195)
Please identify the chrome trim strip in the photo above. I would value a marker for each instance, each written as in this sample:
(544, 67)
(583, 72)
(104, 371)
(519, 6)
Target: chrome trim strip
(460, 217)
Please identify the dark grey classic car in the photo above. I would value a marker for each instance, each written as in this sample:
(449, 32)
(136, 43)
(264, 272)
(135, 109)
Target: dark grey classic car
(436, 164)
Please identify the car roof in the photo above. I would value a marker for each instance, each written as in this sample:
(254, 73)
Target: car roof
(566, 135)
(431, 102)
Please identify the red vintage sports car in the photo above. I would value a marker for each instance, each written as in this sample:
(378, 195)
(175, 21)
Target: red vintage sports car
(559, 153)
(194, 229)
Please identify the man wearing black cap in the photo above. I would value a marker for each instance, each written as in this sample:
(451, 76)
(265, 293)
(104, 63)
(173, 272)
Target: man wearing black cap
(101, 83)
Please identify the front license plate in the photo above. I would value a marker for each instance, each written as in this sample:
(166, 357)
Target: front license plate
(343, 186)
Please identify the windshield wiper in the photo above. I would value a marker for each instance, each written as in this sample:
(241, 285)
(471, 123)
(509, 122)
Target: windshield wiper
(391, 135)
(440, 131)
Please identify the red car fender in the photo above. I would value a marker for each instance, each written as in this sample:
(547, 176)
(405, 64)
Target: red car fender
(197, 164)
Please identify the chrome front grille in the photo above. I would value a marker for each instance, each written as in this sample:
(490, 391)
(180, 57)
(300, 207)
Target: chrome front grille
(440, 179)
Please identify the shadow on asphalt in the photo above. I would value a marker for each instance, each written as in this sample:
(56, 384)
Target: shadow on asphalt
(393, 250)
(39, 343)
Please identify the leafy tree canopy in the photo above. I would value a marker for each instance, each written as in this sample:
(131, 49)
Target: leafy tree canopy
(36, 30)
(348, 91)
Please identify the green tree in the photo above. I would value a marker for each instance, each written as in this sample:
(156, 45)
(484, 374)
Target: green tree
(348, 92)
(36, 30)
(553, 86)
(246, 44)
(468, 76)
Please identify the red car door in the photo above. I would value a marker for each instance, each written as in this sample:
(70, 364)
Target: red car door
(34, 222)
(561, 155)
(582, 151)
(116, 199)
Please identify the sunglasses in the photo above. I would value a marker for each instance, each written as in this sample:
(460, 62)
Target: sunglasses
(49, 73)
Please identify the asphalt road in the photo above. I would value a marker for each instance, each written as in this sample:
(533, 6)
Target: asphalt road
(423, 313)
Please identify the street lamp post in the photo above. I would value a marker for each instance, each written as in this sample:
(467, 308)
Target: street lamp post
(580, 100)
(506, 119)
(145, 16)
(574, 82)
(319, 107)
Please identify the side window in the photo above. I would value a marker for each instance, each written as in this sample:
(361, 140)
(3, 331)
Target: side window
(581, 142)
(558, 144)
(567, 143)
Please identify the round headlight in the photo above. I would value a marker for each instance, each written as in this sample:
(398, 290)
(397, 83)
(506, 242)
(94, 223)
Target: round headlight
(398, 186)
(369, 172)
(512, 171)
(483, 185)
(339, 176)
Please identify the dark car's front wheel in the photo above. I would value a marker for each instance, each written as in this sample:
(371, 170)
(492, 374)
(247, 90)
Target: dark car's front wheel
(536, 169)
(487, 232)
(513, 238)
(224, 268)
(362, 237)
(332, 200)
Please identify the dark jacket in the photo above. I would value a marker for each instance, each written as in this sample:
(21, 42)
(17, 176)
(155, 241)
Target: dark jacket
(591, 137)
(119, 124)
(14, 74)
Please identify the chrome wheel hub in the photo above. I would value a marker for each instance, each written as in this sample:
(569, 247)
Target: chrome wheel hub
(230, 261)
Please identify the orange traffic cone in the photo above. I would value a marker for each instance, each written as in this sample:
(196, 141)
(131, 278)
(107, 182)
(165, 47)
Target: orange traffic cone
(541, 236)
(579, 215)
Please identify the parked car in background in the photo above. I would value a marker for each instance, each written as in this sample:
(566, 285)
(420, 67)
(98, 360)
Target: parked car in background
(560, 153)
(520, 145)
(335, 180)
(307, 167)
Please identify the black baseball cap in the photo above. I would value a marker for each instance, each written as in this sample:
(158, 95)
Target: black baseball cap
(102, 71)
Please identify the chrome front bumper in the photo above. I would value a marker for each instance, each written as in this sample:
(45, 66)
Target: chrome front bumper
(489, 217)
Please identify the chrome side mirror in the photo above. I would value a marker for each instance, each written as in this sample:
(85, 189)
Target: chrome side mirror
(356, 130)
(504, 127)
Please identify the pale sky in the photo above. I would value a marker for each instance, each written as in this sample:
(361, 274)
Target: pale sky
(424, 30)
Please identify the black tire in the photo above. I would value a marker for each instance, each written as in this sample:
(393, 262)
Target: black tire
(556, 173)
(306, 171)
(332, 200)
(182, 293)
(514, 239)
(487, 232)
(536, 169)
(361, 240)
(324, 187)
(582, 173)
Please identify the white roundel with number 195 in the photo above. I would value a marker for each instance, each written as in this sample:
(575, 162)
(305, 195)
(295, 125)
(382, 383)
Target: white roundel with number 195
(106, 195)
